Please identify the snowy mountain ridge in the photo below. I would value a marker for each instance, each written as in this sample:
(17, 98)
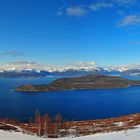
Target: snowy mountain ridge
(18, 69)
(67, 71)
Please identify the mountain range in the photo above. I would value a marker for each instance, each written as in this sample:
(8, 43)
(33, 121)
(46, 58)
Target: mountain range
(25, 72)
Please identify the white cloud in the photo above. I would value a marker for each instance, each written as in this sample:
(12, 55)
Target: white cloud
(126, 2)
(80, 65)
(101, 5)
(130, 20)
(22, 64)
(25, 65)
(76, 11)
(79, 10)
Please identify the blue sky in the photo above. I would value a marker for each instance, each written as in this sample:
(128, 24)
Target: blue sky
(57, 32)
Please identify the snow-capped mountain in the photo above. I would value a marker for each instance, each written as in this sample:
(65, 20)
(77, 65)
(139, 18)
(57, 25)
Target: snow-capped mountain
(56, 72)
(14, 71)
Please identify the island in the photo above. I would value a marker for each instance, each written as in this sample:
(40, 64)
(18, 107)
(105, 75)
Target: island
(81, 83)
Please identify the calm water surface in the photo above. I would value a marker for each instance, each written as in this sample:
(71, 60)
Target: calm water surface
(73, 105)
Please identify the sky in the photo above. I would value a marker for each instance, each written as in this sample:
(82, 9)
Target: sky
(60, 32)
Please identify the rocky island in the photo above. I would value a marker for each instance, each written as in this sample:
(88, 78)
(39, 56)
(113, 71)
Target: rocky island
(79, 83)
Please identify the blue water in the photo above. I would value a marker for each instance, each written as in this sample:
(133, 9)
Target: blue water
(73, 105)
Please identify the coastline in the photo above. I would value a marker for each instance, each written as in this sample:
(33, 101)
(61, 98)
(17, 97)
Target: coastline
(75, 128)
(88, 82)
(107, 88)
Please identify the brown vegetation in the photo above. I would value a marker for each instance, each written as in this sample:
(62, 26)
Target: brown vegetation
(83, 82)
(45, 126)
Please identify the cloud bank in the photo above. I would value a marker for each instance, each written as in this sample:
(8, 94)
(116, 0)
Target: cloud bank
(81, 64)
(78, 10)
(100, 5)
(20, 65)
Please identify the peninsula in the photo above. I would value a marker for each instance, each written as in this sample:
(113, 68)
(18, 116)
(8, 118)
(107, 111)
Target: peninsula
(79, 83)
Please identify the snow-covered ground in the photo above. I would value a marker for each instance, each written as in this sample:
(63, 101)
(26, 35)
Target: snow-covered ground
(122, 135)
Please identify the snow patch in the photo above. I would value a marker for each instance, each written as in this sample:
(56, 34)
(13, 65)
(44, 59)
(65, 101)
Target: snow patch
(133, 134)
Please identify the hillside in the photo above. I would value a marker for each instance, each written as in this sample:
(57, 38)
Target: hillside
(79, 83)
(122, 135)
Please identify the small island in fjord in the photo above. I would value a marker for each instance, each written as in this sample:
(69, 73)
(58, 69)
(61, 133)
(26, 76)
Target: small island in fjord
(79, 83)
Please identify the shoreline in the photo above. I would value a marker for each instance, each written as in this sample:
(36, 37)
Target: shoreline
(108, 88)
(88, 82)
(75, 128)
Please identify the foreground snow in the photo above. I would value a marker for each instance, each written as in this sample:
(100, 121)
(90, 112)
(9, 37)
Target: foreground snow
(123, 135)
